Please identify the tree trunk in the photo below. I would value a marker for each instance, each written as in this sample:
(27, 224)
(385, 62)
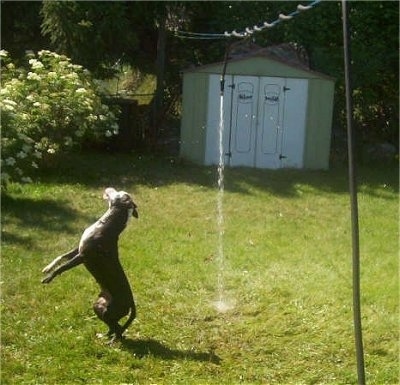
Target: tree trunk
(160, 70)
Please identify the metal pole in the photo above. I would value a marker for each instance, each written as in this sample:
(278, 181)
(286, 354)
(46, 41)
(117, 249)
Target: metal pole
(353, 199)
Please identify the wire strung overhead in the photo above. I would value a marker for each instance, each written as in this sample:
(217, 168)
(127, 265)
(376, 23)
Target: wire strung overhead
(248, 31)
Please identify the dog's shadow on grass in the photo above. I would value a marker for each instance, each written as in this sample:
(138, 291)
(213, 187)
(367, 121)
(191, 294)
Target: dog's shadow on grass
(149, 347)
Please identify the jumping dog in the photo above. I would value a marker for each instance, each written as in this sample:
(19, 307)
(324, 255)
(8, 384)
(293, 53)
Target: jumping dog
(98, 251)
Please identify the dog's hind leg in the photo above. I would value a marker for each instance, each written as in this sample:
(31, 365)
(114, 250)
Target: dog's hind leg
(59, 259)
(110, 313)
(103, 308)
(113, 315)
(101, 305)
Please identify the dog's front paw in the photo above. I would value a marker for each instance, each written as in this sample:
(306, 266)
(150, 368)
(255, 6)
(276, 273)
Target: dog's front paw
(47, 279)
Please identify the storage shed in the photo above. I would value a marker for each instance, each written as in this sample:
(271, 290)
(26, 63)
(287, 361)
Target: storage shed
(277, 113)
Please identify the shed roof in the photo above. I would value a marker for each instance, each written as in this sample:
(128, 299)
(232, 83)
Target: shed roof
(278, 54)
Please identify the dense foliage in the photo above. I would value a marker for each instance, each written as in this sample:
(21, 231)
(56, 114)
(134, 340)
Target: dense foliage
(88, 32)
(51, 105)
(99, 34)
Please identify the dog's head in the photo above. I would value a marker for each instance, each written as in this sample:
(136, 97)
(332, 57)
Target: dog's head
(120, 199)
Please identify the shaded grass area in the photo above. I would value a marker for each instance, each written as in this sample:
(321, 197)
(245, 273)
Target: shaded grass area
(287, 270)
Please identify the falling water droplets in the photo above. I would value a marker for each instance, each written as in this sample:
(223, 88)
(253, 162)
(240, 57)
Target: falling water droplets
(221, 304)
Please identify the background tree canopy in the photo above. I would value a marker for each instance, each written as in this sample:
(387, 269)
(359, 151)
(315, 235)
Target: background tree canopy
(99, 34)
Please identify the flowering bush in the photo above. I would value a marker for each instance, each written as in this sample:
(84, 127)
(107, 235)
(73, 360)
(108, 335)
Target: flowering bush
(52, 105)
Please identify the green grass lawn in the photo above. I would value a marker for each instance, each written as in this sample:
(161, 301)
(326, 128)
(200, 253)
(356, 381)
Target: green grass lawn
(287, 270)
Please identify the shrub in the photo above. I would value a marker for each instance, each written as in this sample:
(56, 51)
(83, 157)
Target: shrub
(49, 106)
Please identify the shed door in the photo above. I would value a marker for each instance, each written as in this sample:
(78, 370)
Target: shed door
(294, 123)
(281, 122)
(271, 104)
(243, 118)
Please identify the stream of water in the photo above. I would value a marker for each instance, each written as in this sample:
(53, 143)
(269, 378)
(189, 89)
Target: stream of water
(222, 304)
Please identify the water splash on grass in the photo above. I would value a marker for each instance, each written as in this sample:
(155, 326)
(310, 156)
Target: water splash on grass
(224, 305)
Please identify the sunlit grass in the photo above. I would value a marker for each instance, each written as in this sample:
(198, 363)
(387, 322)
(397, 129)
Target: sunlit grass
(287, 270)
(130, 83)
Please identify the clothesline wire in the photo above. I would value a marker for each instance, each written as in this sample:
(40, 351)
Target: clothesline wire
(248, 31)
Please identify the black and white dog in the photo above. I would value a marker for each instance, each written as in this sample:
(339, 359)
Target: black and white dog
(98, 251)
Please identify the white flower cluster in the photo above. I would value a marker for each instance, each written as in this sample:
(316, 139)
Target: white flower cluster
(33, 76)
(36, 64)
(47, 109)
(8, 105)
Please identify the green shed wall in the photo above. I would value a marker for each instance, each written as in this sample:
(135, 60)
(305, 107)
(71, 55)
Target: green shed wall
(318, 124)
(194, 117)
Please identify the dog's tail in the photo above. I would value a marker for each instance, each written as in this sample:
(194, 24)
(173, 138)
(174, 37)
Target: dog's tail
(132, 316)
